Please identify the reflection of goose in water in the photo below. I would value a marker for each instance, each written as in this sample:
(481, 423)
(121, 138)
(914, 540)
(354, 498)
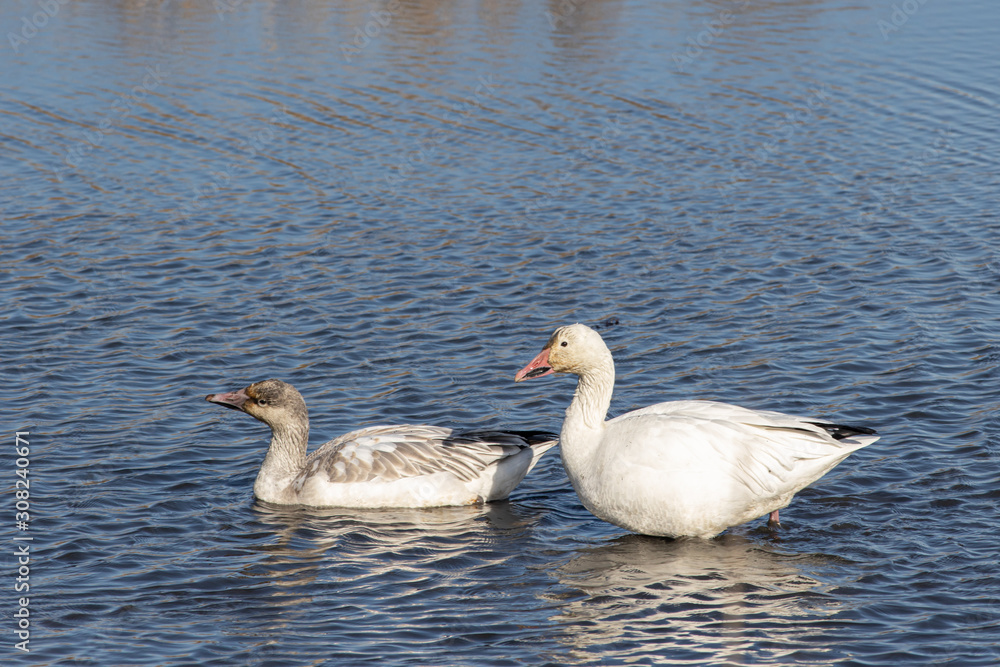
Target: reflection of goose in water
(327, 527)
(688, 600)
(380, 568)
(311, 539)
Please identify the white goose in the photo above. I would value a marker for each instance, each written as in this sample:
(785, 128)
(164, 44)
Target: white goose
(683, 468)
(381, 466)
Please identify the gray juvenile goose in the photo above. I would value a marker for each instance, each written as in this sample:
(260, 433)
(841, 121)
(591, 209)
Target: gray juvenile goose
(381, 466)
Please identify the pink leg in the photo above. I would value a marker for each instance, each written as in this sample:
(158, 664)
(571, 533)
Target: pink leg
(773, 518)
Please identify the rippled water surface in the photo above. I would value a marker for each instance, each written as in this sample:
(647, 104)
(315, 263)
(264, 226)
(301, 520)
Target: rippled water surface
(788, 205)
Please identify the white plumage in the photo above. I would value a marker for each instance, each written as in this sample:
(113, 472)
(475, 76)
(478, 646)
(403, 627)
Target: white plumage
(683, 468)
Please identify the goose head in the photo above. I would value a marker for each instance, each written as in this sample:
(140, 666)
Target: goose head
(575, 349)
(273, 402)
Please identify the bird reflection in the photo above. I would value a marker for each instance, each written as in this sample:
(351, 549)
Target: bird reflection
(328, 525)
(307, 555)
(713, 599)
(301, 543)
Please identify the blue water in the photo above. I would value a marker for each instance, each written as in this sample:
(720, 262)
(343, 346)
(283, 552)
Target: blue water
(785, 205)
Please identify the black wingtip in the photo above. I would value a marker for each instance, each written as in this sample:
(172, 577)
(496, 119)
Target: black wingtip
(531, 437)
(841, 432)
(537, 437)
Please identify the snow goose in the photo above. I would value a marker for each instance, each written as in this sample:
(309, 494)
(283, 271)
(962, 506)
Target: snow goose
(380, 466)
(683, 468)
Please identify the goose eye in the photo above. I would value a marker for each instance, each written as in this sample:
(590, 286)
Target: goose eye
(261, 401)
(563, 344)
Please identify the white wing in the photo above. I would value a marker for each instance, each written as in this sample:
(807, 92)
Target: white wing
(764, 451)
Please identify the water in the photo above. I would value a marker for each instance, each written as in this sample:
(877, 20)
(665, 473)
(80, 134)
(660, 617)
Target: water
(785, 205)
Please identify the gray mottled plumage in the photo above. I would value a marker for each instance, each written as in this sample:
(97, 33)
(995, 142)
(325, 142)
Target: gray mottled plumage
(394, 452)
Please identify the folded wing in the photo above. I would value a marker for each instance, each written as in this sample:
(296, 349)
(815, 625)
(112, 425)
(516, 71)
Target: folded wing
(389, 453)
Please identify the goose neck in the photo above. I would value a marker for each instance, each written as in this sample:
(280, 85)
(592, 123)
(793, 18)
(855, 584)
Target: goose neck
(285, 458)
(592, 399)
